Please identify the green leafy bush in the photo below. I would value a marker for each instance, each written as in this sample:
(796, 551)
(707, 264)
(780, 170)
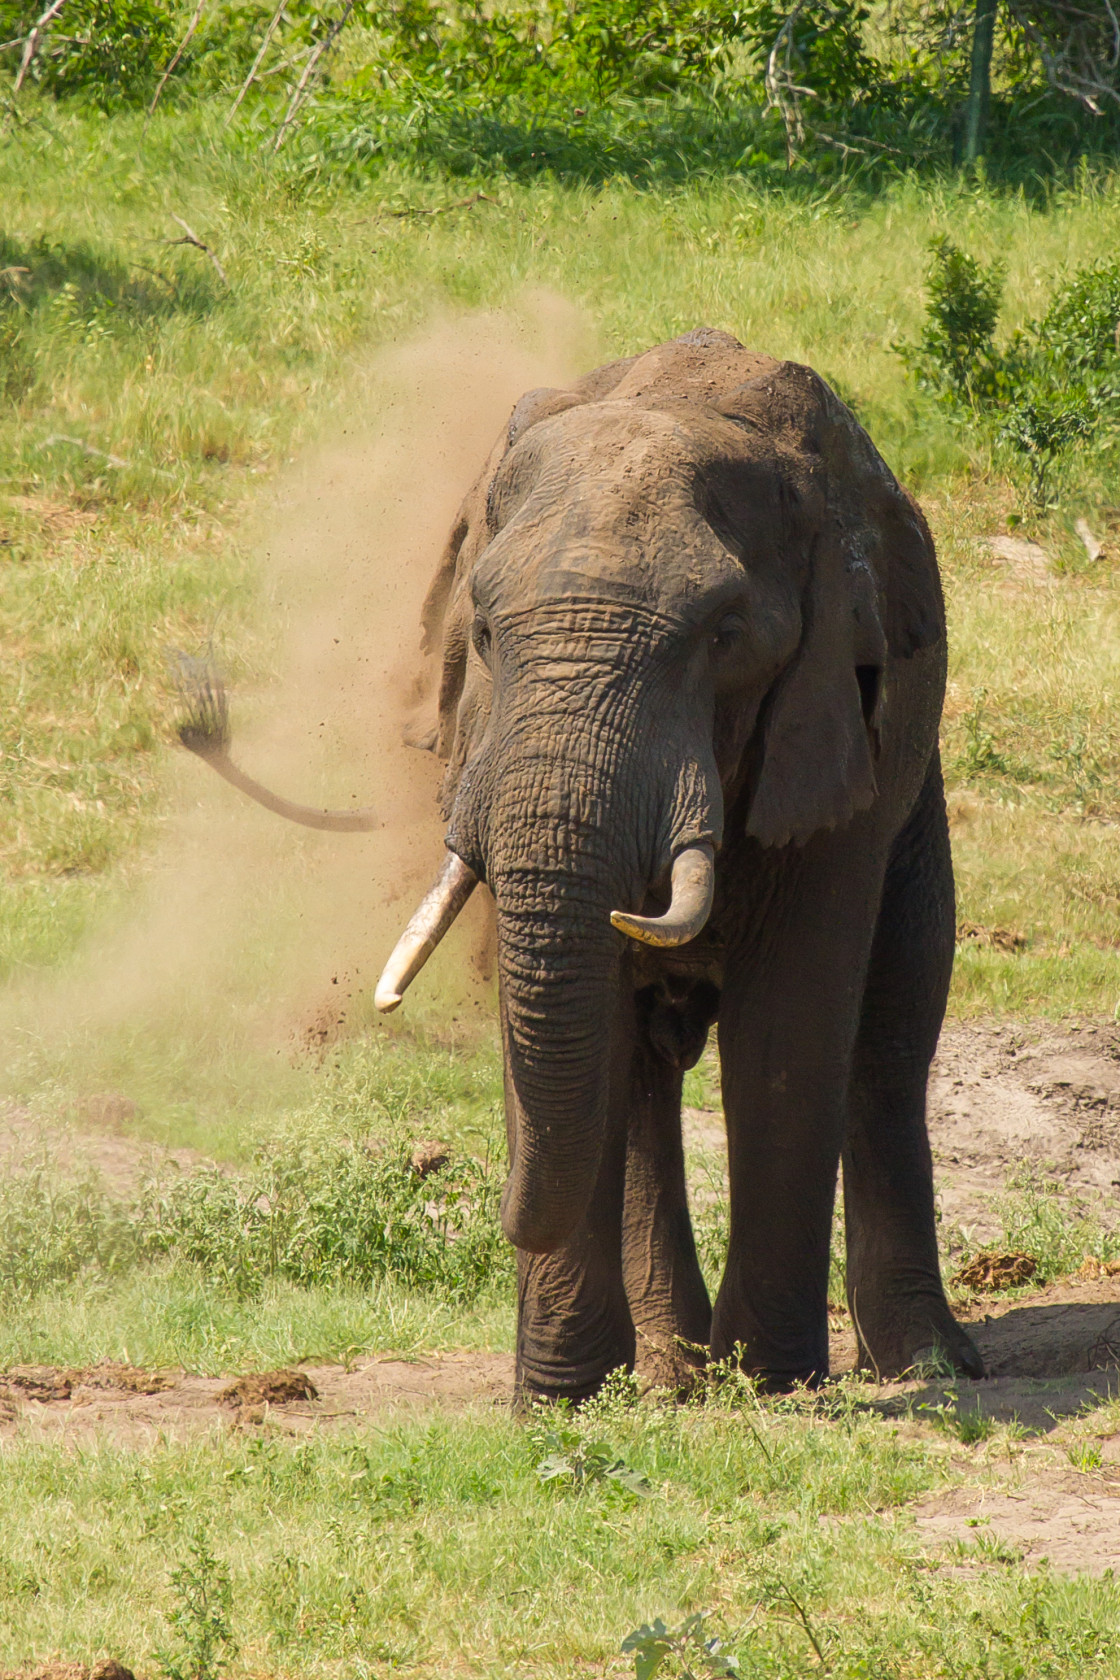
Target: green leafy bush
(549, 54)
(334, 1215)
(1056, 383)
(956, 355)
(109, 51)
(328, 1215)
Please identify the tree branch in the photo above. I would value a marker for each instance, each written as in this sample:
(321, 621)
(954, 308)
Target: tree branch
(179, 51)
(304, 82)
(31, 45)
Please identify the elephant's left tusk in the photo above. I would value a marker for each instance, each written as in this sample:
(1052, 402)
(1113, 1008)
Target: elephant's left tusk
(694, 881)
(438, 909)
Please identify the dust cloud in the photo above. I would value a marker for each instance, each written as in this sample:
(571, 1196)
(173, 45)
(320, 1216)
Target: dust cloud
(251, 937)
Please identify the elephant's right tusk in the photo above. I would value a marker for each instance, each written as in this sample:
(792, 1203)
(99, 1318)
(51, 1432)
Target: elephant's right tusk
(438, 909)
(694, 882)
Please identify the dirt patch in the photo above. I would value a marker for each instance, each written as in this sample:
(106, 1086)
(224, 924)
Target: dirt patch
(1067, 1518)
(77, 1407)
(1013, 1099)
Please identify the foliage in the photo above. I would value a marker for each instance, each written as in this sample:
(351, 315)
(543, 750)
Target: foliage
(200, 1616)
(567, 1457)
(52, 1230)
(109, 51)
(956, 354)
(827, 53)
(691, 1656)
(1054, 385)
(1041, 428)
(331, 1215)
(550, 55)
(334, 1215)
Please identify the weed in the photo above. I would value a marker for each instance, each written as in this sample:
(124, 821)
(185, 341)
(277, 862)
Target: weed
(969, 1425)
(685, 1649)
(569, 1458)
(1085, 1455)
(200, 1617)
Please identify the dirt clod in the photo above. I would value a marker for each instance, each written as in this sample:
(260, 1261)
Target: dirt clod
(990, 1271)
(428, 1157)
(269, 1388)
(991, 938)
(44, 1383)
(126, 1379)
(1091, 1268)
(106, 1669)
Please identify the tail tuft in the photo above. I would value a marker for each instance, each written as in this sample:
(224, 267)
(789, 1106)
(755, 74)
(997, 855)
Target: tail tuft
(204, 725)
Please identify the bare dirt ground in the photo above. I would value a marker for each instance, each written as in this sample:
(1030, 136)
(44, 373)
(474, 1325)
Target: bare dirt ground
(1006, 1102)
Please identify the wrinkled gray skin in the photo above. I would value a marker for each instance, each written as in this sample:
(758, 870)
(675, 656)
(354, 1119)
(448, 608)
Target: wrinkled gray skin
(687, 601)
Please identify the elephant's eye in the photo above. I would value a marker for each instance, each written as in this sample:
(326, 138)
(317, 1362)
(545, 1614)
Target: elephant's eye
(728, 631)
(480, 636)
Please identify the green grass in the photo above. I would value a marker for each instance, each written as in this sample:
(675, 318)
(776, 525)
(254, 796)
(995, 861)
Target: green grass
(210, 971)
(232, 928)
(434, 1546)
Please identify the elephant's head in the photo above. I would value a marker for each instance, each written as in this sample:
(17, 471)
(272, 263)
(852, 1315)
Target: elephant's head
(666, 605)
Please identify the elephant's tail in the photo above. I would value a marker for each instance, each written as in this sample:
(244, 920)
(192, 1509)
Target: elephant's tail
(205, 731)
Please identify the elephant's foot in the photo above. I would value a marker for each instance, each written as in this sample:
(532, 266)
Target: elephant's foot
(670, 1363)
(548, 1387)
(916, 1334)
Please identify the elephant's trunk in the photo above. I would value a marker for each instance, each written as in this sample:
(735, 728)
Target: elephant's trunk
(558, 964)
(563, 846)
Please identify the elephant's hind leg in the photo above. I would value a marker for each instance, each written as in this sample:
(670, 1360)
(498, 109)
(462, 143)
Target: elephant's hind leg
(664, 1285)
(894, 1281)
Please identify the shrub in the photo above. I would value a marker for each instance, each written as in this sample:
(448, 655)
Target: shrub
(334, 1215)
(331, 1215)
(1055, 384)
(109, 51)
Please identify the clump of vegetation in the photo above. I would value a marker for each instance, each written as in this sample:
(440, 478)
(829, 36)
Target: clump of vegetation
(566, 1457)
(1056, 383)
(313, 1216)
(683, 1650)
(200, 1617)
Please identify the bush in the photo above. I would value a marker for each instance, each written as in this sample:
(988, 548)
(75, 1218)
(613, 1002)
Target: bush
(1055, 384)
(109, 51)
(327, 1215)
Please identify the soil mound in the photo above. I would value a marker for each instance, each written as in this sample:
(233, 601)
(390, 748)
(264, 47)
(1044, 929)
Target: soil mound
(269, 1388)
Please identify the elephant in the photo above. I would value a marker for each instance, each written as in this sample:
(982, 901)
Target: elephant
(686, 659)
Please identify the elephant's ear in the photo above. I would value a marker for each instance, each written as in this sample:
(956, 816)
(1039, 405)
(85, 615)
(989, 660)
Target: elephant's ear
(877, 519)
(820, 733)
(445, 621)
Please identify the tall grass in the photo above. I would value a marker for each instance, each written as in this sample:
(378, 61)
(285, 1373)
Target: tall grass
(135, 347)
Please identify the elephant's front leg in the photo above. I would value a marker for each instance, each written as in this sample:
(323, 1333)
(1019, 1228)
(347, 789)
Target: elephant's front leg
(788, 1020)
(664, 1285)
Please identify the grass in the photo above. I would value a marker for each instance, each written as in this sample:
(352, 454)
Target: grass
(434, 1544)
(180, 973)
